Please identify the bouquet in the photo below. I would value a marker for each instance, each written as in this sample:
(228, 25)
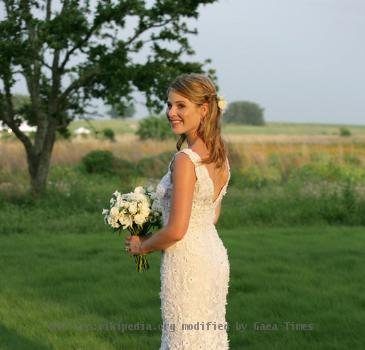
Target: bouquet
(136, 212)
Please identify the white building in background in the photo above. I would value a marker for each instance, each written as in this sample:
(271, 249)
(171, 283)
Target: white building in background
(82, 131)
(24, 127)
(4, 128)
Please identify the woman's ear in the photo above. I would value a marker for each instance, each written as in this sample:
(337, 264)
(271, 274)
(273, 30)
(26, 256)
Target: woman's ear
(204, 109)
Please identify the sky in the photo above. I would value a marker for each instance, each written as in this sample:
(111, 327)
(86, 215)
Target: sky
(302, 61)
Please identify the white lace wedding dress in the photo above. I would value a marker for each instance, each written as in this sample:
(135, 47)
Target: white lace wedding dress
(194, 271)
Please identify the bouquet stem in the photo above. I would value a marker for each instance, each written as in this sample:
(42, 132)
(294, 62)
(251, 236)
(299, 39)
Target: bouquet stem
(141, 262)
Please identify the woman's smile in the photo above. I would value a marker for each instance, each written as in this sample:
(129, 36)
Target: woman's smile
(175, 122)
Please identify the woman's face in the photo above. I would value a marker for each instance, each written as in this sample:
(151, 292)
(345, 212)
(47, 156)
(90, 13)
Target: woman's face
(184, 116)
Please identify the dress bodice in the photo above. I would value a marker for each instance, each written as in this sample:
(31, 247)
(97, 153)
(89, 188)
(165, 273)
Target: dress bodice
(204, 205)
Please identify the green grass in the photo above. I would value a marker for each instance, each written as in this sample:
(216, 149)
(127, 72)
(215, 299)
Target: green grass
(65, 281)
(57, 286)
(119, 126)
(271, 128)
(274, 128)
(304, 199)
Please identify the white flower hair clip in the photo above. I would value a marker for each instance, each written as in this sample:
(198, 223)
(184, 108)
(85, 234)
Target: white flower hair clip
(222, 103)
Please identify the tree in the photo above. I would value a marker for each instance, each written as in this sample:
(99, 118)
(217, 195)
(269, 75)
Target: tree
(244, 112)
(41, 43)
(155, 128)
(129, 112)
(20, 101)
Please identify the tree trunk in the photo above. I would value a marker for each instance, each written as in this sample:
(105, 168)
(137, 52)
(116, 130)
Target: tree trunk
(38, 168)
(39, 163)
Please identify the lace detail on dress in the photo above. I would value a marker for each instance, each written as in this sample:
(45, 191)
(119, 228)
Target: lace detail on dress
(194, 271)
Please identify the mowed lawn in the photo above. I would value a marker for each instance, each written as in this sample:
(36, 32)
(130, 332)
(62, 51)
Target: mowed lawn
(290, 288)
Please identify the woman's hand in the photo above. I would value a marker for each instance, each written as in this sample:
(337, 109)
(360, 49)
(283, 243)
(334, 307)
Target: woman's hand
(133, 244)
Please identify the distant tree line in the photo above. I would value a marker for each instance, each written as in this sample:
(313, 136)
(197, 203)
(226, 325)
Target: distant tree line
(244, 112)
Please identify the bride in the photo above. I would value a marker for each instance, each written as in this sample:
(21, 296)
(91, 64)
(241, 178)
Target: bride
(194, 262)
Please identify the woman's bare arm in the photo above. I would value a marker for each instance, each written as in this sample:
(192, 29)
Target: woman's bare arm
(183, 179)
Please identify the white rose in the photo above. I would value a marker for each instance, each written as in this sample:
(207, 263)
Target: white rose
(139, 189)
(145, 208)
(125, 220)
(113, 222)
(132, 208)
(139, 219)
(119, 201)
(222, 103)
(114, 211)
(139, 197)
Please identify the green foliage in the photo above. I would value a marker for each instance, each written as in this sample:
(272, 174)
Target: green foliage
(329, 171)
(33, 35)
(104, 163)
(252, 177)
(126, 170)
(244, 112)
(344, 131)
(123, 112)
(64, 133)
(98, 162)
(262, 198)
(352, 159)
(7, 136)
(154, 127)
(109, 134)
(155, 166)
(342, 205)
(108, 70)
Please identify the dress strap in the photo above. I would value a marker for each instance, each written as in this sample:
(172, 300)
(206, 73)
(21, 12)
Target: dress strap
(192, 155)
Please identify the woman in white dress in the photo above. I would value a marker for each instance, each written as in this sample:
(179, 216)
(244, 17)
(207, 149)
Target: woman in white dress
(194, 262)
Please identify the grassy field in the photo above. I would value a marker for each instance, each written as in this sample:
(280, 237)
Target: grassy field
(77, 291)
(271, 128)
(295, 243)
(253, 145)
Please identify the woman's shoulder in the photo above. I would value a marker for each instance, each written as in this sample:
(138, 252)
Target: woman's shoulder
(184, 158)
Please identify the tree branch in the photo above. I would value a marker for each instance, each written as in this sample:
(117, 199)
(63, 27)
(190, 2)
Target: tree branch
(79, 83)
(140, 31)
(48, 10)
(7, 115)
(79, 46)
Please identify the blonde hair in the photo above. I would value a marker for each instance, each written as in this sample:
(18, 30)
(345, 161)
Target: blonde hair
(199, 89)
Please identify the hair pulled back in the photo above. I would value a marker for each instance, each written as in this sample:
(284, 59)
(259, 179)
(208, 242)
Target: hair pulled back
(199, 89)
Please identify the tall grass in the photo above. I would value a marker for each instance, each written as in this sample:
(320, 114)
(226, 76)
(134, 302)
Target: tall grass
(305, 198)
(129, 148)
